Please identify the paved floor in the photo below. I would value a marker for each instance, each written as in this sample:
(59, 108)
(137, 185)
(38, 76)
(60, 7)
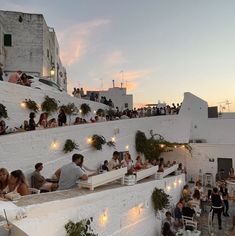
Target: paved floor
(227, 224)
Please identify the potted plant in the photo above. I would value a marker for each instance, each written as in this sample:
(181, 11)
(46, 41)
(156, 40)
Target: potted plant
(81, 228)
(160, 200)
(97, 141)
(70, 145)
(85, 109)
(31, 105)
(49, 105)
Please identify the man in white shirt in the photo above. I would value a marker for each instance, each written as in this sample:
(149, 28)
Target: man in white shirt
(114, 162)
(71, 173)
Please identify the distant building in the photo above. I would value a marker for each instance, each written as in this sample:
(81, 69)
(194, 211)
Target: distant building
(118, 96)
(28, 44)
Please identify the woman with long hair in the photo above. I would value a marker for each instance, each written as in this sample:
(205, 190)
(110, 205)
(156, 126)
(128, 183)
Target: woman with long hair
(17, 183)
(4, 180)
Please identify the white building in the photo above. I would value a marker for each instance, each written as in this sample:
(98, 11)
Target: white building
(118, 96)
(28, 44)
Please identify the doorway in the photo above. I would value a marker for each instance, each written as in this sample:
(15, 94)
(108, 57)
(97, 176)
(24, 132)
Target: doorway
(226, 164)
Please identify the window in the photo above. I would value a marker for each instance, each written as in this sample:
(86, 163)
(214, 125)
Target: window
(126, 105)
(7, 40)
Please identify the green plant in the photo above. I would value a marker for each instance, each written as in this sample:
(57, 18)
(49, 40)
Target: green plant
(110, 112)
(160, 199)
(3, 111)
(97, 141)
(100, 112)
(152, 147)
(31, 105)
(49, 105)
(81, 228)
(69, 146)
(85, 109)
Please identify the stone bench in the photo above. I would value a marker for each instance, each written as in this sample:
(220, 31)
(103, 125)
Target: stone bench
(104, 178)
(142, 174)
(167, 171)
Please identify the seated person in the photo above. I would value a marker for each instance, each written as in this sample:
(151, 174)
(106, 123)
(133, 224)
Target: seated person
(127, 162)
(114, 162)
(168, 164)
(39, 182)
(161, 168)
(154, 162)
(52, 123)
(169, 219)
(32, 124)
(196, 197)
(139, 164)
(104, 167)
(199, 187)
(3, 127)
(17, 183)
(4, 181)
(166, 230)
(15, 77)
(180, 168)
(78, 121)
(186, 193)
(178, 214)
(42, 123)
(70, 173)
(188, 210)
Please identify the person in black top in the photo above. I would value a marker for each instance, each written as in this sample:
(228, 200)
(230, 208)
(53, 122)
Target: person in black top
(217, 205)
(61, 117)
(224, 192)
(188, 211)
(32, 124)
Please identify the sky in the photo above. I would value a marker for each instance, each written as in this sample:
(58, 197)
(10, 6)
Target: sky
(158, 49)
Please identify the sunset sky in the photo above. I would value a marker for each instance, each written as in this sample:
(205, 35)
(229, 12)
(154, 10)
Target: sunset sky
(159, 48)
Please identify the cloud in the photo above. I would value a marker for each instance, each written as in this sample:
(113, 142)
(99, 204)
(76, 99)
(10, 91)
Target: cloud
(113, 59)
(131, 79)
(74, 40)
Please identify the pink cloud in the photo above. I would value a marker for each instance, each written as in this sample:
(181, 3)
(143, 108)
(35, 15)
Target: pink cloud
(114, 58)
(131, 79)
(74, 40)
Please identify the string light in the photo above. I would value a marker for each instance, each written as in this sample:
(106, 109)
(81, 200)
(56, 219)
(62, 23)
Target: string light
(168, 188)
(180, 181)
(80, 110)
(89, 140)
(94, 112)
(175, 184)
(127, 147)
(113, 139)
(23, 104)
(183, 146)
(54, 145)
(162, 145)
(175, 146)
(104, 217)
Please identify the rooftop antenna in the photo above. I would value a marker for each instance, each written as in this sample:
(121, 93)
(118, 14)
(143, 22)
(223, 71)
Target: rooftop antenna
(122, 73)
(228, 103)
(222, 105)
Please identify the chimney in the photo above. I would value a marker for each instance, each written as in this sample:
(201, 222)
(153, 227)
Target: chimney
(113, 84)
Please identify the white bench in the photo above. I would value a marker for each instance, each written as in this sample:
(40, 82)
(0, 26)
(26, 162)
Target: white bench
(104, 178)
(142, 174)
(167, 171)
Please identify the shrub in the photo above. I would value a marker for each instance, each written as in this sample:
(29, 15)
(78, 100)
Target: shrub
(160, 200)
(69, 146)
(100, 112)
(49, 105)
(31, 105)
(81, 228)
(97, 141)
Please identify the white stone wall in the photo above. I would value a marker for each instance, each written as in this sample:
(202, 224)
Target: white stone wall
(129, 211)
(118, 97)
(25, 53)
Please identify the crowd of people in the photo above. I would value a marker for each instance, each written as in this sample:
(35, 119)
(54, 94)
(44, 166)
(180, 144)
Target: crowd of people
(67, 176)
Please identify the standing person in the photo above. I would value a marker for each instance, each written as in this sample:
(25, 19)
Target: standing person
(69, 174)
(32, 124)
(62, 117)
(224, 192)
(217, 205)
